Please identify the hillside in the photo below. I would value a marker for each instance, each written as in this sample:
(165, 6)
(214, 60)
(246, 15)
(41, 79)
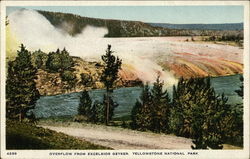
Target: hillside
(49, 83)
(73, 24)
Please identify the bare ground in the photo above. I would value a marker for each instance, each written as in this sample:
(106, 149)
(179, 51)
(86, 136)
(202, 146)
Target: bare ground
(118, 138)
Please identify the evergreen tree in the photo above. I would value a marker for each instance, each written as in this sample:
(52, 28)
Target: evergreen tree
(59, 61)
(210, 134)
(93, 112)
(67, 62)
(21, 91)
(62, 62)
(39, 59)
(53, 63)
(85, 104)
(152, 111)
(160, 107)
(176, 112)
(201, 113)
(134, 115)
(141, 114)
(112, 65)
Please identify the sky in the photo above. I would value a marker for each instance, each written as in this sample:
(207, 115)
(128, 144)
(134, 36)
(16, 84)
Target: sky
(153, 14)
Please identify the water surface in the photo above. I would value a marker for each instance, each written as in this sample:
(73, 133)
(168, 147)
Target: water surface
(67, 104)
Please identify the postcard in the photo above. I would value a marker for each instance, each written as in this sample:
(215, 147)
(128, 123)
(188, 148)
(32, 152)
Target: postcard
(124, 79)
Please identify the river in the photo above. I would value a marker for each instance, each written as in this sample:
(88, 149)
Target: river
(67, 104)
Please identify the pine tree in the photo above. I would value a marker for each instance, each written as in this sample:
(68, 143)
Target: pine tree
(141, 114)
(176, 112)
(152, 111)
(85, 104)
(60, 61)
(197, 112)
(145, 113)
(93, 112)
(201, 113)
(185, 102)
(21, 91)
(160, 107)
(112, 65)
(39, 59)
(53, 64)
(210, 134)
(67, 62)
(134, 115)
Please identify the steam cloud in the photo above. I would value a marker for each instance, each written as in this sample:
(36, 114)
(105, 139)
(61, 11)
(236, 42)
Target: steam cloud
(36, 32)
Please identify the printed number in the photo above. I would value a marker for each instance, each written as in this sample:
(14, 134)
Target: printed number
(11, 153)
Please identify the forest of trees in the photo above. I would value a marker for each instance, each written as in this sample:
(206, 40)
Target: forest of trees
(56, 62)
(237, 38)
(62, 62)
(193, 110)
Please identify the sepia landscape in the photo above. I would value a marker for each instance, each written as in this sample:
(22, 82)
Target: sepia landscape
(77, 82)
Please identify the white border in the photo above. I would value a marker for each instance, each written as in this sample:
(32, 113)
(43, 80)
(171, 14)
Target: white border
(226, 154)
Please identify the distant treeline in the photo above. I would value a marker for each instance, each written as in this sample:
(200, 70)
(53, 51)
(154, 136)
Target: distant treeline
(121, 28)
(225, 26)
(235, 38)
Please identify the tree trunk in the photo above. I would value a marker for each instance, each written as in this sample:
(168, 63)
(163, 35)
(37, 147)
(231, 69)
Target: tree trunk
(107, 107)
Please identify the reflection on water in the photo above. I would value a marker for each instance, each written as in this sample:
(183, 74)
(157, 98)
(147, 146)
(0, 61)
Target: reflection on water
(61, 105)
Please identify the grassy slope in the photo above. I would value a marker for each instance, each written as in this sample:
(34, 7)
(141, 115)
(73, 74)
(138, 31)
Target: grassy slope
(28, 136)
